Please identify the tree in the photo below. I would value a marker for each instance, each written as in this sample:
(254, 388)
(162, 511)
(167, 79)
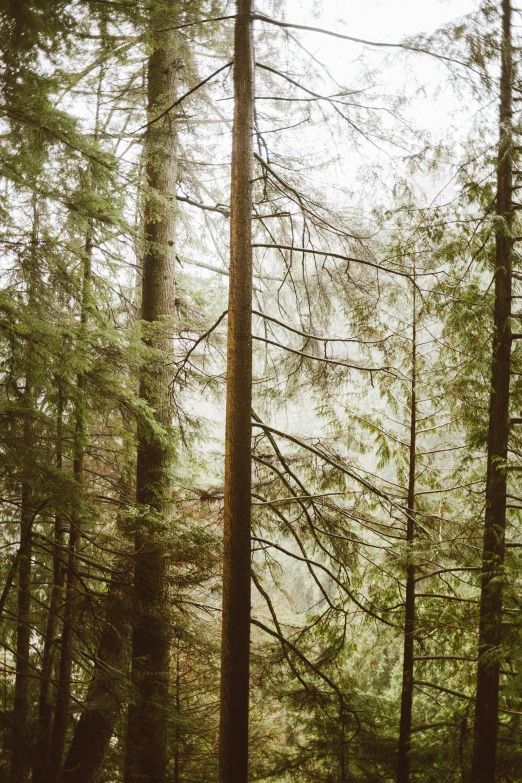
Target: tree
(403, 772)
(483, 765)
(21, 743)
(235, 653)
(148, 711)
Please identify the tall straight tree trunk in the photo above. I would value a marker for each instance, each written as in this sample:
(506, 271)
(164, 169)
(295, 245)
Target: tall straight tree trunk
(147, 730)
(490, 636)
(20, 749)
(105, 695)
(46, 699)
(403, 767)
(61, 713)
(233, 740)
(177, 735)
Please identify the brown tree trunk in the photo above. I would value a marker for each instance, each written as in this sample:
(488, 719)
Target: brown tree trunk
(490, 637)
(105, 695)
(147, 731)
(403, 767)
(233, 741)
(46, 700)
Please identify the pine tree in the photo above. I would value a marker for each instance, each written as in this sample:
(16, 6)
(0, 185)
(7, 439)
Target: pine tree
(234, 698)
(148, 718)
(483, 767)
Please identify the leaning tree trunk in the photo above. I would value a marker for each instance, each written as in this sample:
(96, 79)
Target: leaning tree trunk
(233, 741)
(490, 636)
(146, 760)
(403, 767)
(20, 747)
(105, 694)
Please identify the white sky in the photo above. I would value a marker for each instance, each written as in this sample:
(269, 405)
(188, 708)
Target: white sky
(433, 104)
(390, 20)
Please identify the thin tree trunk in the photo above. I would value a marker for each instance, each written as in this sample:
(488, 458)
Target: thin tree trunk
(105, 695)
(404, 762)
(177, 737)
(20, 754)
(233, 741)
(147, 730)
(61, 713)
(46, 700)
(19, 766)
(490, 637)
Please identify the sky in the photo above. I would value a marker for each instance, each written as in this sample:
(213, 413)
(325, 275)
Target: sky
(433, 106)
(390, 20)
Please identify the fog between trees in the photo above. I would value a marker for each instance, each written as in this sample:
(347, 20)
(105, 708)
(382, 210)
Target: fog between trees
(260, 394)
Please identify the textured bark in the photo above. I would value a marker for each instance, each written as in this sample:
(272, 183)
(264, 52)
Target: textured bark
(490, 637)
(146, 760)
(404, 763)
(233, 741)
(46, 699)
(105, 695)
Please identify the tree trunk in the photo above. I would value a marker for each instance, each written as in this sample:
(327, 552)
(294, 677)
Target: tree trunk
(61, 713)
(403, 767)
(46, 700)
(19, 766)
(20, 751)
(490, 638)
(177, 735)
(147, 731)
(104, 697)
(233, 741)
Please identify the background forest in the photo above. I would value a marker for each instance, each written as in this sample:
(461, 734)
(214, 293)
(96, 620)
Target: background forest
(260, 391)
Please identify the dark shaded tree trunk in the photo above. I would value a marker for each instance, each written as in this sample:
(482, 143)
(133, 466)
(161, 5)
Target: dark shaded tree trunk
(177, 736)
(20, 748)
(105, 695)
(46, 698)
(490, 636)
(20, 754)
(233, 741)
(147, 731)
(404, 762)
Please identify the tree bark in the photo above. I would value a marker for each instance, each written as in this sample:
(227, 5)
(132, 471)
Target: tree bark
(233, 741)
(105, 695)
(490, 637)
(404, 762)
(147, 731)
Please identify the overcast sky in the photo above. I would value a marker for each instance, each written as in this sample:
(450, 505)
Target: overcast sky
(433, 105)
(390, 20)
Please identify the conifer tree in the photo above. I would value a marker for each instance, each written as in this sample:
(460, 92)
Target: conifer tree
(148, 718)
(235, 649)
(483, 766)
